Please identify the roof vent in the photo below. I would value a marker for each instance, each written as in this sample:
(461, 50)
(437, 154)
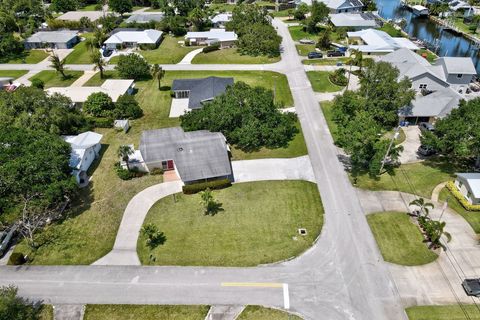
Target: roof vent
(180, 149)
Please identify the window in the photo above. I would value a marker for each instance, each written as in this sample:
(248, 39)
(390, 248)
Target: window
(459, 76)
(422, 86)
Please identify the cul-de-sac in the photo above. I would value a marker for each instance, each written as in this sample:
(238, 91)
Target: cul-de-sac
(239, 159)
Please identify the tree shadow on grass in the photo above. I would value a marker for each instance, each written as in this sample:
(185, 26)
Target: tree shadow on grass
(165, 88)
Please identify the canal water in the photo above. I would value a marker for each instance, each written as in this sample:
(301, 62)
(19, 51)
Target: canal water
(444, 43)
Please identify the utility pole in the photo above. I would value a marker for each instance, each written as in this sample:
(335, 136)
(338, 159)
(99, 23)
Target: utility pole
(445, 205)
(394, 137)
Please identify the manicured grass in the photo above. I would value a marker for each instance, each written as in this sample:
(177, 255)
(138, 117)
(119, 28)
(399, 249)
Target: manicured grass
(420, 178)
(327, 112)
(97, 81)
(90, 7)
(80, 53)
(390, 29)
(53, 79)
(261, 313)
(399, 240)
(221, 7)
(472, 217)
(321, 83)
(446, 312)
(296, 148)
(168, 52)
(46, 313)
(325, 61)
(258, 225)
(305, 49)
(297, 33)
(30, 57)
(231, 56)
(13, 73)
(144, 312)
(401, 136)
(431, 57)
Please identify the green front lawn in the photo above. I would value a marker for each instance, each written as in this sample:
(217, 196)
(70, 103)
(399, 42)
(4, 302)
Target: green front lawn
(261, 313)
(96, 81)
(80, 53)
(390, 29)
(168, 52)
(321, 83)
(144, 312)
(13, 73)
(305, 49)
(30, 57)
(258, 225)
(53, 79)
(231, 56)
(452, 312)
(326, 61)
(399, 240)
(221, 7)
(472, 217)
(297, 33)
(419, 178)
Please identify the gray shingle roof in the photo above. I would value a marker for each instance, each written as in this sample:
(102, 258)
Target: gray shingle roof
(62, 36)
(458, 65)
(197, 154)
(202, 89)
(436, 104)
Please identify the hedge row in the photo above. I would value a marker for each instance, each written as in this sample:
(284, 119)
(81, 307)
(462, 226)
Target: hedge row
(212, 47)
(215, 184)
(453, 189)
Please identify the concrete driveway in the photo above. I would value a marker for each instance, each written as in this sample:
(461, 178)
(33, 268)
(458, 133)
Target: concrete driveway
(410, 145)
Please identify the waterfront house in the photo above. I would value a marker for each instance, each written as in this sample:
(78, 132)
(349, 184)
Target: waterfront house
(355, 21)
(456, 70)
(376, 42)
(343, 6)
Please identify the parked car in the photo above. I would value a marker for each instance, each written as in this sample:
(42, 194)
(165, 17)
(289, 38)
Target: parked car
(107, 52)
(315, 55)
(335, 53)
(426, 150)
(425, 126)
(306, 41)
(472, 287)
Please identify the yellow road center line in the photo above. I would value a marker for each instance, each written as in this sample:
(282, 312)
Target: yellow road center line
(252, 284)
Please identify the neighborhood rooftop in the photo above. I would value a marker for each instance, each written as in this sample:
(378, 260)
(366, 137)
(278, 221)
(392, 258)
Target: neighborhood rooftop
(437, 104)
(113, 87)
(198, 155)
(459, 65)
(378, 41)
(473, 180)
(353, 20)
(52, 36)
(149, 36)
(201, 90)
(213, 34)
(80, 144)
(144, 17)
(77, 15)
(343, 4)
(222, 17)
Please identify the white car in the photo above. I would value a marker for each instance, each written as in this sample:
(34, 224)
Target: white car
(306, 41)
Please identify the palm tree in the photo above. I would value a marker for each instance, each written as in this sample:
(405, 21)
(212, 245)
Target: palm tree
(424, 206)
(100, 36)
(124, 152)
(158, 73)
(98, 61)
(90, 44)
(435, 230)
(58, 65)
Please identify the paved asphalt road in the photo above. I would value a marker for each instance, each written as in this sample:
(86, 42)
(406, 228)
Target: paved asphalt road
(342, 277)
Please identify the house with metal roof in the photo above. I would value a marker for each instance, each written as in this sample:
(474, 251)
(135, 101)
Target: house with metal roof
(469, 186)
(90, 15)
(195, 156)
(85, 148)
(114, 88)
(376, 42)
(190, 94)
(343, 6)
(145, 17)
(221, 19)
(61, 39)
(356, 21)
(133, 38)
(222, 37)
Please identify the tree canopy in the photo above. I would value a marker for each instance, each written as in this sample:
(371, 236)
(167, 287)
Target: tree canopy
(120, 6)
(13, 307)
(248, 117)
(133, 66)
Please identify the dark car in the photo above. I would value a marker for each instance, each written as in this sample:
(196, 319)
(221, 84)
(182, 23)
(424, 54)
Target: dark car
(425, 126)
(426, 150)
(107, 52)
(315, 55)
(335, 53)
(472, 287)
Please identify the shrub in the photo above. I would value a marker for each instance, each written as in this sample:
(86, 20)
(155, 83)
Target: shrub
(100, 122)
(127, 108)
(133, 66)
(38, 83)
(156, 171)
(201, 186)
(338, 77)
(17, 259)
(453, 189)
(210, 48)
(123, 174)
(148, 46)
(98, 104)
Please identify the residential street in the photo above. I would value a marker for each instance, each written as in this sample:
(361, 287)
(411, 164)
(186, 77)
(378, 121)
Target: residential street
(342, 276)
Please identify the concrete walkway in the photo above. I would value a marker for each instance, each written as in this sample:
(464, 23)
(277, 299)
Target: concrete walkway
(230, 312)
(87, 75)
(436, 191)
(189, 56)
(25, 79)
(410, 145)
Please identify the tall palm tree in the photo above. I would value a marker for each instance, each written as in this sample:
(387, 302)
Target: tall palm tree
(100, 36)
(124, 152)
(98, 61)
(158, 73)
(90, 44)
(424, 206)
(58, 64)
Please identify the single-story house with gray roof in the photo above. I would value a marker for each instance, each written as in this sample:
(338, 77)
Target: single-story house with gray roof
(145, 17)
(61, 39)
(196, 155)
(469, 186)
(339, 6)
(356, 21)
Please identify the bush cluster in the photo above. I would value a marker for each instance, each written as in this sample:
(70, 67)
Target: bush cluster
(201, 186)
(212, 47)
(125, 174)
(17, 259)
(453, 189)
(338, 77)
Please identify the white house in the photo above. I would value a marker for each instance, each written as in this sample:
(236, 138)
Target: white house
(356, 21)
(376, 42)
(133, 38)
(221, 19)
(340, 6)
(469, 186)
(224, 38)
(85, 148)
